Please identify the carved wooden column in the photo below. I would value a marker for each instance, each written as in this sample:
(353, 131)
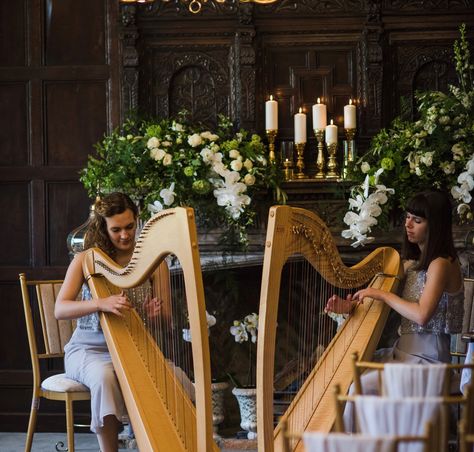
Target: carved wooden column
(128, 38)
(372, 73)
(243, 69)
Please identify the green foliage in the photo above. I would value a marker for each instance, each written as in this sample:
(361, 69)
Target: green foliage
(170, 163)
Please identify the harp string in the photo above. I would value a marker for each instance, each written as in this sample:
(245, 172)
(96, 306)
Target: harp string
(306, 330)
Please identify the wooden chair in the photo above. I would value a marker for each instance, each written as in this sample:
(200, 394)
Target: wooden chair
(54, 335)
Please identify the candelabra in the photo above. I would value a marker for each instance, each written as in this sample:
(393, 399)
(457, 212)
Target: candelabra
(288, 169)
(332, 163)
(300, 161)
(319, 133)
(349, 149)
(271, 134)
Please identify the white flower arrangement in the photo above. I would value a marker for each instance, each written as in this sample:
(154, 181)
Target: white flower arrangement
(171, 163)
(436, 151)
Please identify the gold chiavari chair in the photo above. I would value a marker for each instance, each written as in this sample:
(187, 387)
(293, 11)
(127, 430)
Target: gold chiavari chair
(52, 335)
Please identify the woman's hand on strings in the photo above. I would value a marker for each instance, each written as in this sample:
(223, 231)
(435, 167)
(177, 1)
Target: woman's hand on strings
(152, 307)
(114, 304)
(340, 305)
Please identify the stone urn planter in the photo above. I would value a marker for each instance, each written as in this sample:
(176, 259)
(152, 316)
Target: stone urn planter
(218, 390)
(247, 399)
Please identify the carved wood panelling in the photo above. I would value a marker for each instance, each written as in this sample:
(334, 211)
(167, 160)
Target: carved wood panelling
(59, 94)
(421, 68)
(195, 80)
(84, 41)
(67, 201)
(12, 27)
(401, 6)
(16, 241)
(68, 105)
(14, 117)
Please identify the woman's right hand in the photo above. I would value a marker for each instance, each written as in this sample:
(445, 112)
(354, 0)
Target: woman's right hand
(114, 304)
(340, 305)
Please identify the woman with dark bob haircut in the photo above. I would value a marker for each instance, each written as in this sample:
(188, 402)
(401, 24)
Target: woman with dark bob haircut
(431, 304)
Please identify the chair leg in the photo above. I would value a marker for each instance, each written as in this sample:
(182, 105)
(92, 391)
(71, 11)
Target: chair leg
(70, 425)
(32, 422)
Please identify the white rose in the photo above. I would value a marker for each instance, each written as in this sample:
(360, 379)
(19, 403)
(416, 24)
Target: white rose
(167, 159)
(166, 144)
(365, 167)
(177, 127)
(236, 165)
(427, 158)
(448, 167)
(194, 140)
(153, 142)
(157, 154)
(249, 179)
(248, 164)
(234, 153)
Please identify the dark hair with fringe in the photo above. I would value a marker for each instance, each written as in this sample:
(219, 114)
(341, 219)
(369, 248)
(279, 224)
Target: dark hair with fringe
(435, 207)
(106, 207)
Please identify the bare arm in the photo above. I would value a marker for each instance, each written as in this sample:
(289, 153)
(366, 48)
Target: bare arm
(439, 271)
(67, 307)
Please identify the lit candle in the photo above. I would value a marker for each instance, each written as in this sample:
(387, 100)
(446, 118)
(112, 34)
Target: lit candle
(300, 127)
(271, 114)
(319, 115)
(331, 133)
(350, 116)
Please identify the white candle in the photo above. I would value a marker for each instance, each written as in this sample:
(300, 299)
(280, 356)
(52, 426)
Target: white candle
(319, 115)
(300, 127)
(350, 116)
(271, 114)
(331, 133)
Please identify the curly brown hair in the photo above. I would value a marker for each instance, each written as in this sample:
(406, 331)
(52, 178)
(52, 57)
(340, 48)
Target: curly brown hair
(106, 207)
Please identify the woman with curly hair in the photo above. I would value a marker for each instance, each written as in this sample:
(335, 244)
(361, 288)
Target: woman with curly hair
(87, 359)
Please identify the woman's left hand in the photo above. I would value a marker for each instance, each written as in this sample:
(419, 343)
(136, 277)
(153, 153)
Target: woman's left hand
(368, 292)
(152, 307)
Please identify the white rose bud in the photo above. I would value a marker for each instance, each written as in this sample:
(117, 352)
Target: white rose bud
(365, 167)
(157, 153)
(236, 165)
(167, 159)
(194, 140)
(249, 179)
(234, 153)
(248, 164)
(153, 142)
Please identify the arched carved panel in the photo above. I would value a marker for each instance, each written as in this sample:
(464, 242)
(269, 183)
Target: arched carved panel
(422, 69)
(176, 79)
(192, 88)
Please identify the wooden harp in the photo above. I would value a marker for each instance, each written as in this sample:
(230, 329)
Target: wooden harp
(296, 236)
(159, 404)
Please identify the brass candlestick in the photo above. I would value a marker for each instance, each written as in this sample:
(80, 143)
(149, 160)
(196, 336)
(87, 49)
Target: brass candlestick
(288, 169)
(332, 163)
(319, 133)
(300, 161)
(271, 134)
(349, 149)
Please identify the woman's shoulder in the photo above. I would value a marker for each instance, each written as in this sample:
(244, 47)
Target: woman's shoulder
(448, 269)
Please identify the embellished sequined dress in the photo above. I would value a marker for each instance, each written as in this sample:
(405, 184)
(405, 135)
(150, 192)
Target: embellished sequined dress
(87, 359)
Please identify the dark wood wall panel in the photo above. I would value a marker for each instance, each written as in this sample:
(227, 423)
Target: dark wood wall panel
(12, 33)
(76, 118)
(14, 114)
(15, 242)
(67, 204)
(73, 37)
(301, 74)
(59, 94)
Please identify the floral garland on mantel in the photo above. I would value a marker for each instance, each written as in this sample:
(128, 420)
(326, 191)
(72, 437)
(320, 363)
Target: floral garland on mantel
(437, 151)
(171, 163)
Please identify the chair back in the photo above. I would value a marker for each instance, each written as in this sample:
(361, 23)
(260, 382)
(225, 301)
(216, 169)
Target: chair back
(38, 304)
(457, 344)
